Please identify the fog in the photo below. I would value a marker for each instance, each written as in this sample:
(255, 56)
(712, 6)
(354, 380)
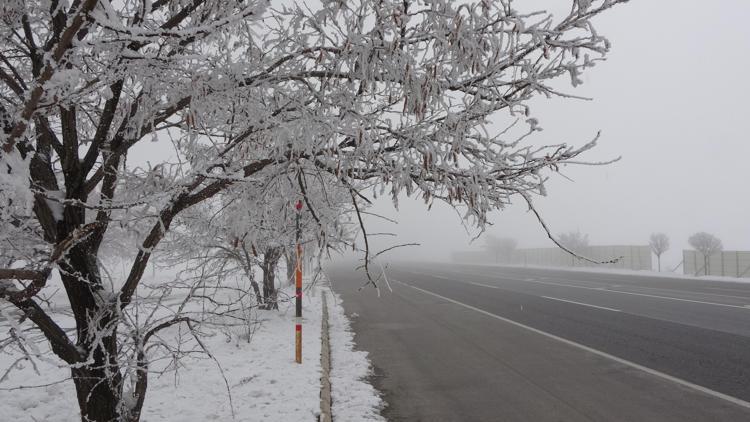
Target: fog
(671, 100)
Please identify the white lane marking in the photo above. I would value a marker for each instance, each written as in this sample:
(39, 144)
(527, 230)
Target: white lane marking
(692, 292)
(564, 285)
(726, 289)
(480, 284)
(604, 289)
(455, 279)
(601, 289)
(616, 285)
(645, 369)
(582, 304)
(657, 289)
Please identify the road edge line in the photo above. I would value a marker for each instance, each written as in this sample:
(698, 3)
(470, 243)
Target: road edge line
(634, 365)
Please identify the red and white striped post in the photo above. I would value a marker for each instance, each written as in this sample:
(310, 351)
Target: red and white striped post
(298, 292)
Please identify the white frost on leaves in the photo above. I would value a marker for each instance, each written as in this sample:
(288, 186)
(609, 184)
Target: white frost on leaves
(14, 183)
(7, 285)
(11, 12)
(55, 201)
(106, 93)
(260, 107)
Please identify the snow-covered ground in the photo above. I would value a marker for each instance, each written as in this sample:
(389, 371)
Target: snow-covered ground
(264, 381)
(354, 399)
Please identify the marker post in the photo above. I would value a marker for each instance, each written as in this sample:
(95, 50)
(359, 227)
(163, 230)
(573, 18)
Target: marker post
(298, 292)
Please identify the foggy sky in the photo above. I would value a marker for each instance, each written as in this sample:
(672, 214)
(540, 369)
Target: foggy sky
(671, 99)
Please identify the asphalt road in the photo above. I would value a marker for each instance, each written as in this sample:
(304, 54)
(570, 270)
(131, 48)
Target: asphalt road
(486, 343)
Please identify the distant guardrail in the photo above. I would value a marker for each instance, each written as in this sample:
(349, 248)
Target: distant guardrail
(725, 263)
(633, 257)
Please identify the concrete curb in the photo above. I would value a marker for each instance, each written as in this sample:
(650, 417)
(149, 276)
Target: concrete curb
(325, 366)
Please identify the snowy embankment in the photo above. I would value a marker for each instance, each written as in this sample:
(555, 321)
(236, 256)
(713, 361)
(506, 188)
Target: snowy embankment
(255, 380)
(354, 399)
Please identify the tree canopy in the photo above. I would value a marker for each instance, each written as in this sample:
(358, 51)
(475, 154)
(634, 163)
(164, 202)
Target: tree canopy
(339, 97)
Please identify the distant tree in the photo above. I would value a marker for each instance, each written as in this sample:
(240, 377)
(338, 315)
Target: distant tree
(659, 243)
(707, 244)
(575, 241)
(500, 247)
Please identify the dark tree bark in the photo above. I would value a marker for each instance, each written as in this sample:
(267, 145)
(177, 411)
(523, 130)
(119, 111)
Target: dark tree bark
(98, 381)
(270, 261)
(256, 287)
(247, 265)
(93, 353)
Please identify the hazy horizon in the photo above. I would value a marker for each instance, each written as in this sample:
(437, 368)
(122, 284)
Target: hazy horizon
(670, 101)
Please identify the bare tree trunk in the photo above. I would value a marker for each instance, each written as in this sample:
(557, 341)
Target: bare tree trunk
(256, 289)
(98, 393)
(253, 283)
(705, 265)
(270, 261)
(98, 380)
(247, 265)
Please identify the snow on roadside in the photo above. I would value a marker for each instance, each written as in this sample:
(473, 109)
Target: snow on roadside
(354, 399)
(265, 382)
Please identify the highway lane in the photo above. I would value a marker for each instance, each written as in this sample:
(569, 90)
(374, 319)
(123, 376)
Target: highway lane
(669, 283)
(445, 347)
(684, 301)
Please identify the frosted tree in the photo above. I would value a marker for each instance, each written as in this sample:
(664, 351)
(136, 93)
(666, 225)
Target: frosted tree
(576, 240)
(659, 243)
(254, 223)
(708, 245)
(388, 97)
(575, 243)
(500, 247)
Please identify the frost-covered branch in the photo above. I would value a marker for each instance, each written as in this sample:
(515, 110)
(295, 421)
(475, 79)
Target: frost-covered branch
(258, 106)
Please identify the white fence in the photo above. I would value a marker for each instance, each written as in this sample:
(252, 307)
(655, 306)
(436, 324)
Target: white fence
(631, 257)
(726, 263)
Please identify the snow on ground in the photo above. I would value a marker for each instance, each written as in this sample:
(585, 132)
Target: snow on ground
(354, 399)
(265, 382)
